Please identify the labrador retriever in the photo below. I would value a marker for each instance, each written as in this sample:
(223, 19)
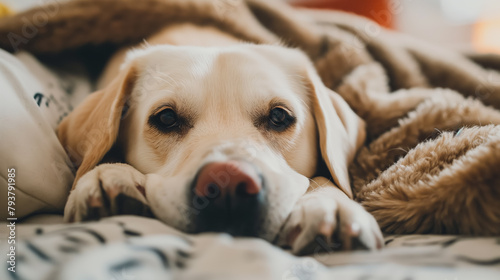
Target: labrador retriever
(216, 135)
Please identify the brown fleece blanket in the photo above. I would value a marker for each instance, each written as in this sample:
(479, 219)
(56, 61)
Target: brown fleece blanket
(432, 158)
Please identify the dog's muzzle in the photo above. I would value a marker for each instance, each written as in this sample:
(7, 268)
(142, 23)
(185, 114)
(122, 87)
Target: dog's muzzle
(229, 197)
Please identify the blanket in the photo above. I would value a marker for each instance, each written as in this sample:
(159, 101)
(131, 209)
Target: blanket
(430, 161)
(131, 247)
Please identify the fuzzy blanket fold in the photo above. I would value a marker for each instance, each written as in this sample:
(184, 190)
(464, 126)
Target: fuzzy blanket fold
(431, 161)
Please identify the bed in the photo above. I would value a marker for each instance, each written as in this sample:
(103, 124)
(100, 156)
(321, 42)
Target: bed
(37, 95)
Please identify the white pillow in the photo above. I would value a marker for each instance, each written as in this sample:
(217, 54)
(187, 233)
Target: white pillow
(33, 100)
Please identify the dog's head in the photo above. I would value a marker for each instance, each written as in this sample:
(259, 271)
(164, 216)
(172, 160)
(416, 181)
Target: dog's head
(228, 137)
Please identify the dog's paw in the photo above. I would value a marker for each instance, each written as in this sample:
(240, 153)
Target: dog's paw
(329, 221)
(108, 189)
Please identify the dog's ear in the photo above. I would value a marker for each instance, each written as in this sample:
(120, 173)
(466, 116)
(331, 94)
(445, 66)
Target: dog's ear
(341, 132)
(90, 131)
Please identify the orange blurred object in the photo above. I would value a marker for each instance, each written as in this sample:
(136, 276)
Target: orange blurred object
(486, 36)
(377, 10)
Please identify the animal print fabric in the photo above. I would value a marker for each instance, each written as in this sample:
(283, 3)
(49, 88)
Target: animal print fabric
(130, 247)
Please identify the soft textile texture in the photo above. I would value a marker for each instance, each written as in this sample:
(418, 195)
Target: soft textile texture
(33, 101)
(419, 171)
(129, 247)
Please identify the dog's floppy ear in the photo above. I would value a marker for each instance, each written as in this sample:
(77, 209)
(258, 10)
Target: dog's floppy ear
(90, 131)
(341, 131)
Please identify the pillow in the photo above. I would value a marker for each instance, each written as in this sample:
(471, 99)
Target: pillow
(33, 101)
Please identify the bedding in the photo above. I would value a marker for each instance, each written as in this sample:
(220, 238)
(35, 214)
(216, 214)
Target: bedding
(399, 86)
(34, 100)
(131, 247)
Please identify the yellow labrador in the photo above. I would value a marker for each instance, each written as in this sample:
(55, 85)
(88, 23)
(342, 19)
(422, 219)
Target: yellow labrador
(218, 135)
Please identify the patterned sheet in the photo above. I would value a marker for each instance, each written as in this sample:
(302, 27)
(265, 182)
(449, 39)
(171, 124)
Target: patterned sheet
(129, 247)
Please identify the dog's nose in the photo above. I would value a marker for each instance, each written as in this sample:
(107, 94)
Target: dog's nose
(229, 197)
(232, 178)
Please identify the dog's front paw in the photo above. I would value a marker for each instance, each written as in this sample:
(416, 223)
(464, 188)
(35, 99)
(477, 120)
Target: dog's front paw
(108, 189)
(327, 220)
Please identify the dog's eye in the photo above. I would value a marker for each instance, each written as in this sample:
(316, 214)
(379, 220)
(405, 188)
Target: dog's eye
(280, 119)
(168, 118)
(165, 120)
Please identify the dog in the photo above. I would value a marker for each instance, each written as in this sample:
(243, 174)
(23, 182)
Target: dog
(212, 134)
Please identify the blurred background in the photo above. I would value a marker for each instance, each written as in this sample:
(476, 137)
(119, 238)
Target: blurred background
(460, 24)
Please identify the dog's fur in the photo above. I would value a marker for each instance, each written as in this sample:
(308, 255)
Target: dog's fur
(225, 90)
